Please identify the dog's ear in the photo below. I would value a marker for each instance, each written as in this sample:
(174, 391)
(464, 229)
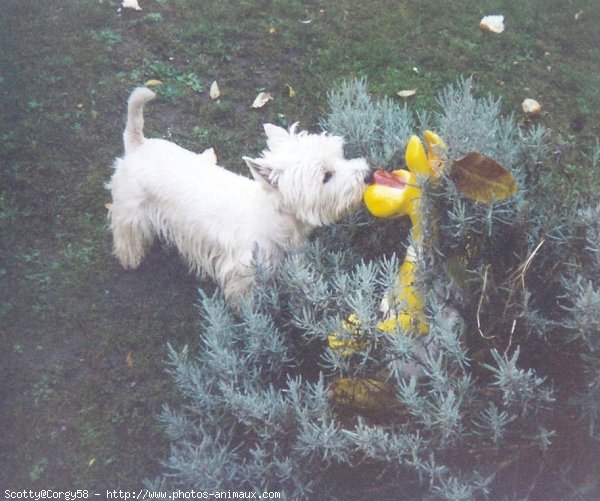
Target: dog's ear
(263, 172)
(275, 132)
(275, 135)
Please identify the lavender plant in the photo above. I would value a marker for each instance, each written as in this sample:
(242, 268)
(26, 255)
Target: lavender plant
(490, 409)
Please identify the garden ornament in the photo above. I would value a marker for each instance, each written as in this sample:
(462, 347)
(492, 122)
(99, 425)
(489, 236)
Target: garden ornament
(395, 194)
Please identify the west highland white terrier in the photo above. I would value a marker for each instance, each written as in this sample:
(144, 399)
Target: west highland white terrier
(222, 222)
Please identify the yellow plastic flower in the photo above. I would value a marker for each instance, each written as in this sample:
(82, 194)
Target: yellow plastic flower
(395, 194)
(392, 194)
(419, 162)
(352, 335)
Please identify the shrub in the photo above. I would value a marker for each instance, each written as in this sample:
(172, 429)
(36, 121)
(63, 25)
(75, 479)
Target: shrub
(512, 293)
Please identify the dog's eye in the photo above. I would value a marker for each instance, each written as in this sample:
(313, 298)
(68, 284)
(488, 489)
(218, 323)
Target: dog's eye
(327, 176)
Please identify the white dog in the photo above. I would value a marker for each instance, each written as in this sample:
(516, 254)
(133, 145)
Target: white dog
(222, 222)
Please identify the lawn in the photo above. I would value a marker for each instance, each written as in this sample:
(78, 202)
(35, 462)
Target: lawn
(83, 342)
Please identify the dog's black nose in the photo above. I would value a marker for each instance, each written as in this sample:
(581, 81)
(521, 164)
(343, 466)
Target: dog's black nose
(369, 176)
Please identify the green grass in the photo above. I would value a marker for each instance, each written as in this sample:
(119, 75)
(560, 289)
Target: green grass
(82, 342)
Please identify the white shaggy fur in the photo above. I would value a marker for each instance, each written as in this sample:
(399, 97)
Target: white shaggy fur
(221, 221)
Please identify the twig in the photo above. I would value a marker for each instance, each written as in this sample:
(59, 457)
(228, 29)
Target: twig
(522, 269)
(483, 287)
(510, 338)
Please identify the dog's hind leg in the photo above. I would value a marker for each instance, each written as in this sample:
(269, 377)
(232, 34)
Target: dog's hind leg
(132, 235)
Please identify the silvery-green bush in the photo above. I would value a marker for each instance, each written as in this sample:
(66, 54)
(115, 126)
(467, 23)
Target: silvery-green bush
(507, 404)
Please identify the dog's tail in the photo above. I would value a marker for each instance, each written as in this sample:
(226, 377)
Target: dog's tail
(133, 136)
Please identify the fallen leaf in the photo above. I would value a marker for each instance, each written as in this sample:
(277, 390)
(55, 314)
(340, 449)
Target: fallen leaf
(492, 24)
(92, 461)
(108, 206)
(152, 83)
(262, 99)
(578, 15)
(292, 92)
(272, 30)
(531, 107)
(131, 4)
(406, 93)
(129, 359)
(482, 178)
(215, 92)
(362, 393)
(319, 15)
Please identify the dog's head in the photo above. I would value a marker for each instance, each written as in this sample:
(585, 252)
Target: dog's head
(309, 175)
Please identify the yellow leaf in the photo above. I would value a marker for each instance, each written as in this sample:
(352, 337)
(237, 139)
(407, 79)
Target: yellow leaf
(262, 99)
(482, 178)
(129, 359)
(362, 393)
(152, 83)
(292, 92)
(272, 30)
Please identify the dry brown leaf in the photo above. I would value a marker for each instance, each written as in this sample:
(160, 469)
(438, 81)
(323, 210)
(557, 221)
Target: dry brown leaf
(108, 206)
(406, 93)
(482, 178)
(129, 359)
(262, 99)
(214, 92)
